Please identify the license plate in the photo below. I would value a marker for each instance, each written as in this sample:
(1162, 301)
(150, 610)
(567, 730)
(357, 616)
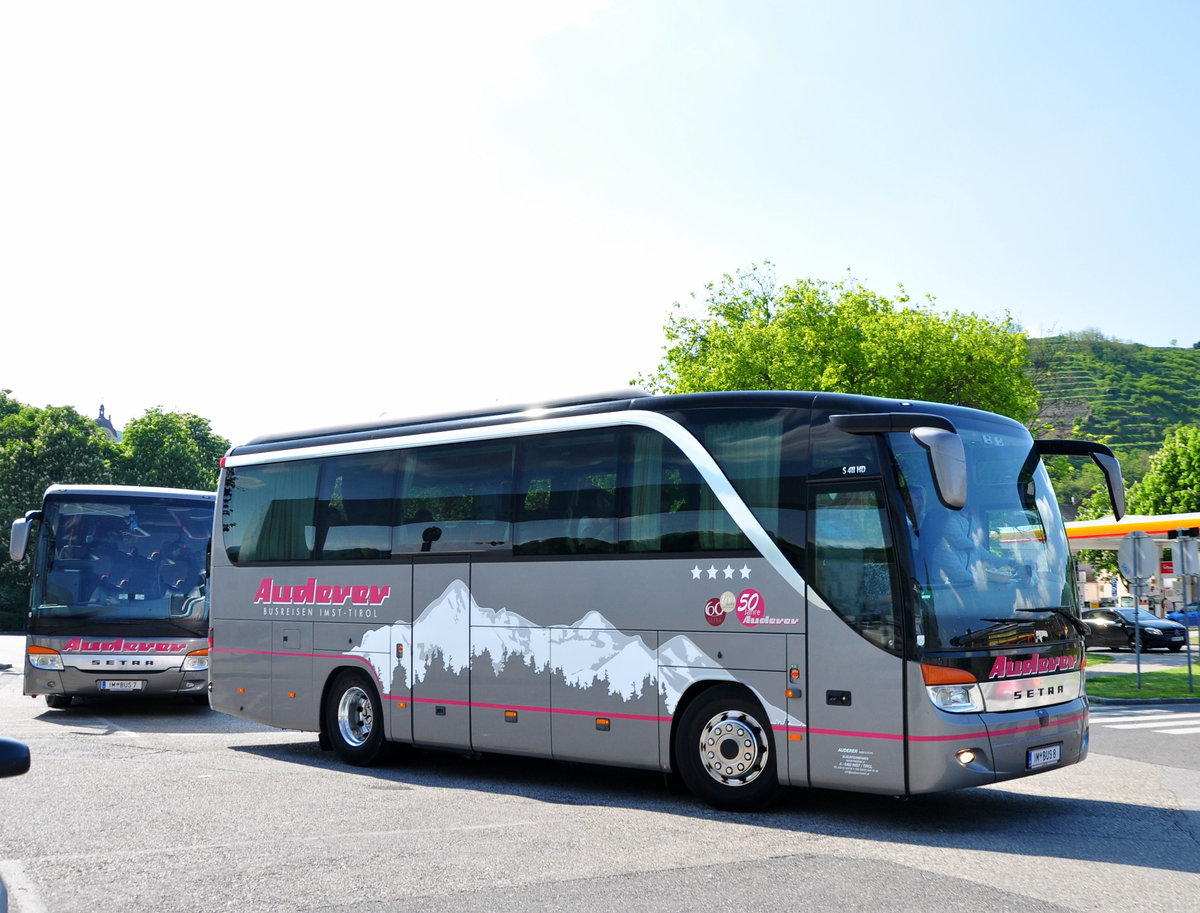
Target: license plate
(1043, 757)
(123, 684)
(1176, 637)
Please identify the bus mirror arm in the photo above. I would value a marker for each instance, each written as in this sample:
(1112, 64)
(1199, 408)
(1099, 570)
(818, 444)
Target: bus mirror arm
(1101, 455)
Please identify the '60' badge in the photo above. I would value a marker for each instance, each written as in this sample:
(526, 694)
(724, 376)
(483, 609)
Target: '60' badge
(716, 608)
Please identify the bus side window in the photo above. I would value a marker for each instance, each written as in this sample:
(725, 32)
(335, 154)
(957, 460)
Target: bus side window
(852, 562)
(456, 498)
(269, 511)
(354, 507)
(671, 507)
(566, 494)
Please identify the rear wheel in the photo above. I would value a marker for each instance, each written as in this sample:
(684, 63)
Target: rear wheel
(354, 719)
(724, 751)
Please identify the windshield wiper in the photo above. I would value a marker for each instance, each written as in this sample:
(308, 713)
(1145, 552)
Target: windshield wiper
(1074, 622)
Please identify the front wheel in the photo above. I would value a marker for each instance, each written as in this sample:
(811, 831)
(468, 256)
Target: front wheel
(354, 719)
(58, 701)
(723, 749)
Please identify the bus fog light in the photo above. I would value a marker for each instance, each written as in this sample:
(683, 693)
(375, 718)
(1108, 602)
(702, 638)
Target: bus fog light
(966, 756)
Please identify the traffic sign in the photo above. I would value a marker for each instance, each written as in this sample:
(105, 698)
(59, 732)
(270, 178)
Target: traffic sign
(1189, 556)
(1137, 556)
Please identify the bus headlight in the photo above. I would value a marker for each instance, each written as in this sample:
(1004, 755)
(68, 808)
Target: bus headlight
(196, 661)
(955, 698)
(45, 659)
(953, 690)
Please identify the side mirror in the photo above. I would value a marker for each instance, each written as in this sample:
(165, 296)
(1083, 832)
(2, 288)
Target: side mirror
(947, 463)
(20, 539)
(14, 758)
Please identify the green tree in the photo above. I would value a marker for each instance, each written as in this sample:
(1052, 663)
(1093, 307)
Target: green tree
(170, 449)
(39, 447)
(1170, 486)
(1172, 483)
(813, 335)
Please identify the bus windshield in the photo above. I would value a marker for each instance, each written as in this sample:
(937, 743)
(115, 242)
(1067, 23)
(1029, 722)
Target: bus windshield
(115, 559)
(986, 572)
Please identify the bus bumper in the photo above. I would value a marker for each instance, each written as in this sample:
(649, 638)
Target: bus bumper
(990, 747)
(73, 681)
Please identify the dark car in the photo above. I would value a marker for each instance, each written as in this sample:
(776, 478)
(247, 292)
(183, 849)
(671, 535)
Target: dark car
(1114, 629)
(1191, 612)
(14, 761)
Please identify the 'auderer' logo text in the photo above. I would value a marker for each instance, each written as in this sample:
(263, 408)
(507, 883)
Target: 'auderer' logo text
(1004, 667)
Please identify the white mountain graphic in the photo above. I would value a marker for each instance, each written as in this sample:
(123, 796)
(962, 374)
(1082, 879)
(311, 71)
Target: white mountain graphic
(588, 653)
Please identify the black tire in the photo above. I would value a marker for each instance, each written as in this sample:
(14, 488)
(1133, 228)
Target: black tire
(58, 701)
(353, 719)
(724, 751)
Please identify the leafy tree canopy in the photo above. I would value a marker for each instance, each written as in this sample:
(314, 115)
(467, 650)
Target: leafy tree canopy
(172, 449)
(1172, 484)
(813, 335)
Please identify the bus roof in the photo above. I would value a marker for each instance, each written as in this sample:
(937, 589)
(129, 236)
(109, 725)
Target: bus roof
(633, 398)
(129, 491)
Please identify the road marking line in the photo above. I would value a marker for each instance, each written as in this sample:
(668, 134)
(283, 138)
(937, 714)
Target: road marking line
(22, 895)
(1160, 717)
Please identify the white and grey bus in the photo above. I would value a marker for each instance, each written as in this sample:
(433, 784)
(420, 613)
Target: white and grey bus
(746, 590)
(117, 604)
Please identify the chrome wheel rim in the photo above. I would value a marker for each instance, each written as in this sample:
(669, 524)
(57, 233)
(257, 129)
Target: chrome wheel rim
(356, 716)
(733, 748)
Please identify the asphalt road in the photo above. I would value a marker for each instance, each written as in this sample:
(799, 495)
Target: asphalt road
(157, 806)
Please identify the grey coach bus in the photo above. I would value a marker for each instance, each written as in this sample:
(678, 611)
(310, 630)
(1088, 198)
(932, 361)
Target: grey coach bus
(117, 604)
(747, 590)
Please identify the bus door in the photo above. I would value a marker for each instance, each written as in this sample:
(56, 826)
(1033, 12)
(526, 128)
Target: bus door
(441, 653)
(856, 704)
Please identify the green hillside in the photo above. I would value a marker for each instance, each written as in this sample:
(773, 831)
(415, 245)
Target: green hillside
(1124, 394)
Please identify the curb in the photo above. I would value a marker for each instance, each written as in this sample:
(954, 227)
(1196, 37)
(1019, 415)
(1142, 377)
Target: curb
(1138, 701)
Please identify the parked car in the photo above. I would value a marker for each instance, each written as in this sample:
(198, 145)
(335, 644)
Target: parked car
(1190, 612)
(1114, 629)
(14, 760)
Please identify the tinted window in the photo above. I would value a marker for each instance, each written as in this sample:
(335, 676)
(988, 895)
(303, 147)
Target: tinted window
(671, 507)
(838, 454)
(852, 562)
(355, 506)
(456, 498)
(567, 494)
(269, 511)
(764, 453)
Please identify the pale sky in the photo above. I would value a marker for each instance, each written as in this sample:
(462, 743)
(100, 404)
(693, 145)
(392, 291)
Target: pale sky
(283, 214)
